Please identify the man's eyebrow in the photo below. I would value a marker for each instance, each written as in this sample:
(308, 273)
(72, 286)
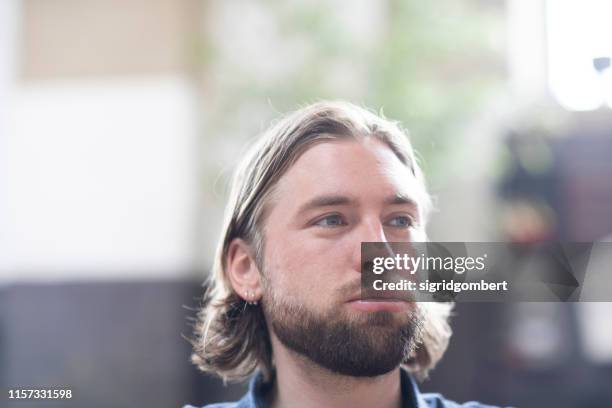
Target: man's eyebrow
(401, 198)
(325, 201)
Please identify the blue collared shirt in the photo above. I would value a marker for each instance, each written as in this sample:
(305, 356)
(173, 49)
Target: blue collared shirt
(411, 396)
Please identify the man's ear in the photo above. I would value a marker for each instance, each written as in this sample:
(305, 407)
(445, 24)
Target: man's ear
(242, 271)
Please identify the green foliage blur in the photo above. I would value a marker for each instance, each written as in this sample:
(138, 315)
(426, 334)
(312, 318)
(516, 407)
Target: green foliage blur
(429, 65)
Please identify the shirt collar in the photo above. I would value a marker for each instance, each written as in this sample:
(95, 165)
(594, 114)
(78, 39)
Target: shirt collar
(411, 396)
(255, 397)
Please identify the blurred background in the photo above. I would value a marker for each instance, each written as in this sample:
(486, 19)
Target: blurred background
(121, 121)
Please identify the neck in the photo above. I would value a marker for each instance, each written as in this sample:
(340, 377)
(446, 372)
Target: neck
(300, 383)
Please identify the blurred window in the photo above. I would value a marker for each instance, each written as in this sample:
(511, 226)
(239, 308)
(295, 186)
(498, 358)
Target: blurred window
(579, 52)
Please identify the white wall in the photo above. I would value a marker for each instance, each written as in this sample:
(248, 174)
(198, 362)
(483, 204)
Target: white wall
(8, 17)
(100, 180)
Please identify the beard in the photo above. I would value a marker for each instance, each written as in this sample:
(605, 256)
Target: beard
(357, 345)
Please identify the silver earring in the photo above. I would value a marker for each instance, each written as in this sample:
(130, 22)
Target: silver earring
(250, 296)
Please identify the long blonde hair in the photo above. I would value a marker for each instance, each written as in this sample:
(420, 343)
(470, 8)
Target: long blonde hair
(231, 340)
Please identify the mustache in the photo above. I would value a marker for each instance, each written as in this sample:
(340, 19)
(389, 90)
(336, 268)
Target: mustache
(354, 288)
(349, 289)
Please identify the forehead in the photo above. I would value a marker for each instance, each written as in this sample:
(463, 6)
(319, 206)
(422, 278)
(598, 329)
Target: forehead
(364, 169)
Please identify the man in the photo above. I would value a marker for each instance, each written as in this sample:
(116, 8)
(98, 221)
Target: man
(283, 302)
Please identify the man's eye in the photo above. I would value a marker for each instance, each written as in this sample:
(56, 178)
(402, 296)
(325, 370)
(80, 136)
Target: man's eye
(331, 221)
(401, 221)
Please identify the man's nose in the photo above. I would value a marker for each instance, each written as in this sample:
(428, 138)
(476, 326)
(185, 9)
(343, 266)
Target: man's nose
(372, 231)
(369, 231)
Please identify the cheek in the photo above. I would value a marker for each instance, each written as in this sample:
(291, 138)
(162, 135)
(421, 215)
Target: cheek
(304, 268)
(284, 265)
(418, 235)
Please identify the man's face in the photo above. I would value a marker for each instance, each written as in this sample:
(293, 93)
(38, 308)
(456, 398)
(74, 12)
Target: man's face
(338, 194)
